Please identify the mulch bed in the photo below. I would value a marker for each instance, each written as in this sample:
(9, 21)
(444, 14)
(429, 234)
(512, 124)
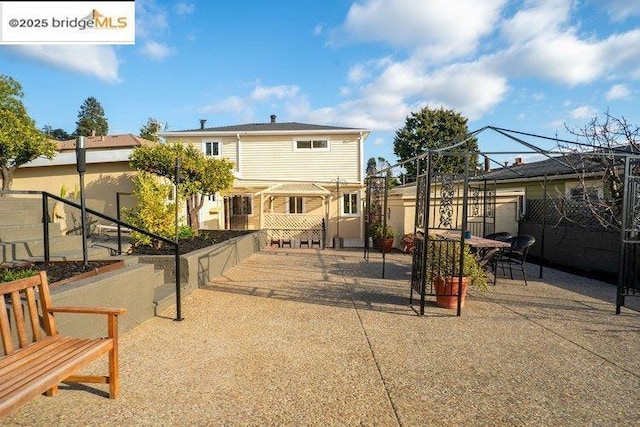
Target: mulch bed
(202, 240)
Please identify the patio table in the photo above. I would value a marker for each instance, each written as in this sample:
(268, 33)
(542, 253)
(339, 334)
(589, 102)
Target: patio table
(475, 242)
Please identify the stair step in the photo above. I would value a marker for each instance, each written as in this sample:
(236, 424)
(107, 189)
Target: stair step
(10, 233)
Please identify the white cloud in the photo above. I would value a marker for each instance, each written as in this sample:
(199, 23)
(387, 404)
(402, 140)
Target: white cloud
(439, 29)
(262, 93)
(619, 91)
(155, 50)
(317, 30)
(233, 105)
(583, 113)
(151, 19)
(184, 8)
(538, 17)
(98, 61)
(358, 73)
(620, 10)
(378, 142)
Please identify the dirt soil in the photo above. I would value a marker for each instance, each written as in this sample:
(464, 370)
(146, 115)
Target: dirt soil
(202, 240)
(64, 270)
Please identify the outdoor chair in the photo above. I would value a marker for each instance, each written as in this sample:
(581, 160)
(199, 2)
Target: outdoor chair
(501, 236)
(513, 258)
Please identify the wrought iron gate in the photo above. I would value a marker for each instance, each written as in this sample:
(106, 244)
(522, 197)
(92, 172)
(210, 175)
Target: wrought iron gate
(441, 205)
(375, 206)
(629, 257)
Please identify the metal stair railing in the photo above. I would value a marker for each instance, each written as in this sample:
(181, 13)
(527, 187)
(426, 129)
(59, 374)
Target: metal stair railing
(119, 223)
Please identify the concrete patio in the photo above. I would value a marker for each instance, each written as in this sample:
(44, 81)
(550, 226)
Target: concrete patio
(315, 337)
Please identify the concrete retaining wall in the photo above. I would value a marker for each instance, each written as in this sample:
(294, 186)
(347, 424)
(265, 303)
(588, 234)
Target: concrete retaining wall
(135, 286)
(199, 267)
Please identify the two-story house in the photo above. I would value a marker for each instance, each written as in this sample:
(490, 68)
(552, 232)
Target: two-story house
(289, 176)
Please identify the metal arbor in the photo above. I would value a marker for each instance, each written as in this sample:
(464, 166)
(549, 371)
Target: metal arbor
(629, 258)
(460, 202)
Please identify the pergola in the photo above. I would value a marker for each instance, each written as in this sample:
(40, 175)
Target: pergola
(443, 202)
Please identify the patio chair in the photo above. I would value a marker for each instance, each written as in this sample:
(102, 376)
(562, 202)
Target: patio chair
(503, 236)
(514, 257)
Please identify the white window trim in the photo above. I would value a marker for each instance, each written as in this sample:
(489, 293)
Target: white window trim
(311, 150)
(357, 193)
(204, 147)
(289, 206)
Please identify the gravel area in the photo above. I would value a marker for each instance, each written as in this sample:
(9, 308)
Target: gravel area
(306, 337)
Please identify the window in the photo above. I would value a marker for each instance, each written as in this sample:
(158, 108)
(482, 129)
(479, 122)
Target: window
(582, 193)
(313, 144)
(295, 205)
(211, 148)
(211, 197)
(241, 205)
(350, 204)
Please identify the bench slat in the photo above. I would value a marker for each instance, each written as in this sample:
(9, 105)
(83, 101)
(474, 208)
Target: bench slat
(33, 314)
(30, 354)
(5, 330)
(19, 318)
(50, 356)
(46, 370)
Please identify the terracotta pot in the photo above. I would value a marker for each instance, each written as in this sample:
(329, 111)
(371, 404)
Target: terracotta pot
(447, 291)
(385, 246)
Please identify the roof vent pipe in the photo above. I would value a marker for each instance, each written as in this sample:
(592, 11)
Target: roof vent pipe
(202, 122)
(273, 118)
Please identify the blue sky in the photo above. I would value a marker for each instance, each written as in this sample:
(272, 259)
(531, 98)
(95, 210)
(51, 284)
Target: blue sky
(532, 66)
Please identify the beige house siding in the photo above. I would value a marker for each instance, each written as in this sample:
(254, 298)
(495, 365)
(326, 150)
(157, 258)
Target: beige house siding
(102, 181)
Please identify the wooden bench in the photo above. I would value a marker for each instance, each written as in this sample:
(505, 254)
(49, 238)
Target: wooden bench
(36, 358)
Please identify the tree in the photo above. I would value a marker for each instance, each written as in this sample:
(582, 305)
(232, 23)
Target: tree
(378, 164)
(91, 119)
(200, 175)
(20, 140)
(609, 137)
(57, 134)
(150, 130)
(432, 129)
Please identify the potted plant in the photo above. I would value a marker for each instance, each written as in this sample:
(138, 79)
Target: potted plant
(408, 242)
(444, 267)
(384, 239)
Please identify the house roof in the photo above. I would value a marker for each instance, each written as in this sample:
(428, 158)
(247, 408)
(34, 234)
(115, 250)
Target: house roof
(270, 127)
(556, 166)
(100, 149)
(302, 188)
(126, 140)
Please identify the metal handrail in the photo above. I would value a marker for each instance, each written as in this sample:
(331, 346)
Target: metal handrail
(45, 220)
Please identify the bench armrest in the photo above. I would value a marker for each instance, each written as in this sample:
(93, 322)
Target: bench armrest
(88, 310)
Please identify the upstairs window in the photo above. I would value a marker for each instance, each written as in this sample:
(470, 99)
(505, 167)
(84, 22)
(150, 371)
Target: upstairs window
(350, 204)
(211, 148)
(295, 205)
(312, 145)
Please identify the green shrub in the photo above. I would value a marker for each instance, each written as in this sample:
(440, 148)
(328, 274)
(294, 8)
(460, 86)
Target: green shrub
(9, 275)
(152, 211)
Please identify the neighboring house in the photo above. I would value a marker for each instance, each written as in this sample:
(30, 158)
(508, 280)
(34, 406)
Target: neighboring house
(288, 176)
(519, 191)
(108, 171)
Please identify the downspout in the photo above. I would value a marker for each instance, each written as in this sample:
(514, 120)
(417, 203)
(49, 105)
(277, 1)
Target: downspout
(238, 153)
(360, 151)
